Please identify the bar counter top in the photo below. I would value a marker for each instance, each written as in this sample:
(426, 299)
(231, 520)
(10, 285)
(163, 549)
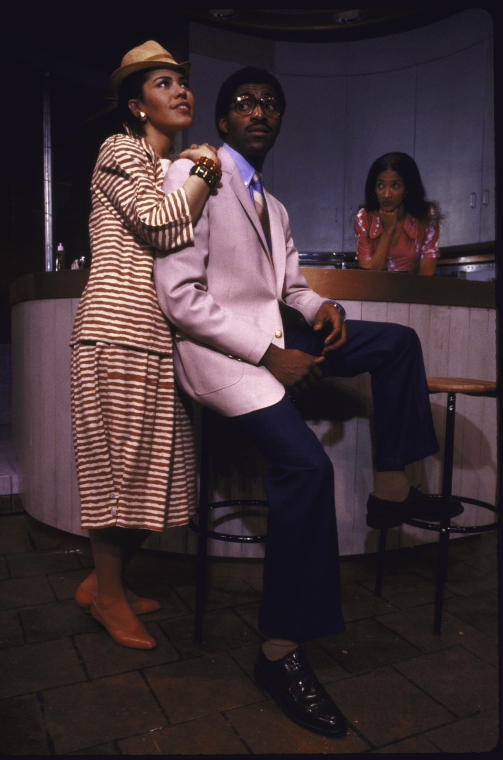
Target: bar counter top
(342, 284)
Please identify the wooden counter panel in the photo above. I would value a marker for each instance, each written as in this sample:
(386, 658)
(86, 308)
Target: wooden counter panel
(356, 285)
(40, 286)
(341, 284)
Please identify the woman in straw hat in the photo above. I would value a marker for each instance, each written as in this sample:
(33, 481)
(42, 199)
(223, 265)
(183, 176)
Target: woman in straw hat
(132, 433)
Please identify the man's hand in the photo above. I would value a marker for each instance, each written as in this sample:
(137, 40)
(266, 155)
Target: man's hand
(329, 318)
(294, 369)
(200, 151)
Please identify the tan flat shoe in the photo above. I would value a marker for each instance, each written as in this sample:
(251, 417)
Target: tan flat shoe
(140, 605)
(137, 639)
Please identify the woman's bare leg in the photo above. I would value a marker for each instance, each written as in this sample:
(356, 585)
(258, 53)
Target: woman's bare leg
(108, 546)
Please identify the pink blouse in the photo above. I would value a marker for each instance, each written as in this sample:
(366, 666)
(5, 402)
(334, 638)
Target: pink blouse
(418, 240)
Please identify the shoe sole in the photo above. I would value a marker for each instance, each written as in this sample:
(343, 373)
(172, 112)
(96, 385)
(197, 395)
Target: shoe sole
(265, 686)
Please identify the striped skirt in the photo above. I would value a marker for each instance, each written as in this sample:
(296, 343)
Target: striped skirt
(133, 439)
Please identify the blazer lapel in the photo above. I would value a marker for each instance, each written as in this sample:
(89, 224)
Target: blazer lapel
(277, 242)
(243, 196)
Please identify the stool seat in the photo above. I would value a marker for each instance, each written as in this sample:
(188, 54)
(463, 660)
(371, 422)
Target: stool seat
(461, 385)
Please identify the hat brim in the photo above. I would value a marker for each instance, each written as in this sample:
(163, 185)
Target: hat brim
(124, 71)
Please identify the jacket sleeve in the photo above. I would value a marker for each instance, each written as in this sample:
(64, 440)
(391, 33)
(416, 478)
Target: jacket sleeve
(124, 181)
(182, 290)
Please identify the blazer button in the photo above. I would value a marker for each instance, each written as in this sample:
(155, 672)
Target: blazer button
(278, 334)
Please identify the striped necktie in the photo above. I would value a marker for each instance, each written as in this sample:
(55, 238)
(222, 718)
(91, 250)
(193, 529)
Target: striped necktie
(260, 205)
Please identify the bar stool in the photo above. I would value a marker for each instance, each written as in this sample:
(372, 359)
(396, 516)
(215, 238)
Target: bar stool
(201, 527)
(451, 386)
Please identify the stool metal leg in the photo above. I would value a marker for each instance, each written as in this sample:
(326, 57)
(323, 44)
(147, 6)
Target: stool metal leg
(202, 540)
(381, 553)
(443, 543)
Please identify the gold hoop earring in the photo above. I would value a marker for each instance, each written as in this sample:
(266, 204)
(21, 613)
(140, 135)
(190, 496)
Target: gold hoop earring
(142, 116)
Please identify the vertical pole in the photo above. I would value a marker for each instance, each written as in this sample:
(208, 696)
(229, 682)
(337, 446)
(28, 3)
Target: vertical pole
(443, 541)
(47, 176)
(202, 540)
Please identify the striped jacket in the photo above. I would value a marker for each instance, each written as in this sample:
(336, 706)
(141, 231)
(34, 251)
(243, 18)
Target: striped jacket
(131, 218)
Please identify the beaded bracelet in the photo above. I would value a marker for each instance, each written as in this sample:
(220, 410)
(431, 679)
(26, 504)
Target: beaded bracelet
(205, 173)
(210, 164)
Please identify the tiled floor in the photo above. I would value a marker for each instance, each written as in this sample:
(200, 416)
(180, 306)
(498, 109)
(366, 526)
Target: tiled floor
(67, 688)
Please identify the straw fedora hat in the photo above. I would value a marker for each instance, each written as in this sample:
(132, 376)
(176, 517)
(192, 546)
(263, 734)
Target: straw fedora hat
(146, 56)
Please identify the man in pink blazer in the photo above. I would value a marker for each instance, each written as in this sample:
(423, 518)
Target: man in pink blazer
(227, 297)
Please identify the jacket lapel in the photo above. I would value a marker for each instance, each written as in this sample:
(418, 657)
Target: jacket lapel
(243, 195)
(277, 242)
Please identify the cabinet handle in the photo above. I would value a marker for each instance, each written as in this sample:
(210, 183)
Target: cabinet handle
(473, 200)
(485, 198)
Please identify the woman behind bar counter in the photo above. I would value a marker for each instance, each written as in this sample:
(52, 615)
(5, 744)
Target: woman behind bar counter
(397, 229)
(132, 435)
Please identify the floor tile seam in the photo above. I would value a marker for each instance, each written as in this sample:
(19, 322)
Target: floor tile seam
(465, 622)
(248, 675)
(337, 663)
(23, 631)
(255, 632)
(427, 693)
(80, 658)
(48, 737)
(115, 745)
(397, 633)
(156, 699)
(388, 601)
(173, 644)
(224, 715)
(181, 599)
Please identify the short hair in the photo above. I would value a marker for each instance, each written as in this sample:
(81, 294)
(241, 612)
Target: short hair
(249, 75)
(414, 201)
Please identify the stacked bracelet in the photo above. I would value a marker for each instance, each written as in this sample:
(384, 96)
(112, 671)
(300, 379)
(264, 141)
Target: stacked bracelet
(208, 170)
(210, 164)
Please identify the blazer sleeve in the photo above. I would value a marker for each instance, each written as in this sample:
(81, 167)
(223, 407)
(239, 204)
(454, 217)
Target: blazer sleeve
(123, 180)
(182, 290)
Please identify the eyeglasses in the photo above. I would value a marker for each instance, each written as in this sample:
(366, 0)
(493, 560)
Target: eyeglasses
(246, 104)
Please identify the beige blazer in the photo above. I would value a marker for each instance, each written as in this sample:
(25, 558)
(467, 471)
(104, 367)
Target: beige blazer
(222, 294)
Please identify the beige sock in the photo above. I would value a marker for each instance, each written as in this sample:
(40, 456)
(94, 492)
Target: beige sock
(275, 649)
(392, 485)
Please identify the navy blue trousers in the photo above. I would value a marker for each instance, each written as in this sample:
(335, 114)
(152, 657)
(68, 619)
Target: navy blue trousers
(301, 598)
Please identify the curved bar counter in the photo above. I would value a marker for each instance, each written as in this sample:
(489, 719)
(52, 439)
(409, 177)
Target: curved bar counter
(455, 320)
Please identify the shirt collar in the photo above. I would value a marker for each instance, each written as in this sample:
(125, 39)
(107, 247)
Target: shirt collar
(245, 169)
(409, 225)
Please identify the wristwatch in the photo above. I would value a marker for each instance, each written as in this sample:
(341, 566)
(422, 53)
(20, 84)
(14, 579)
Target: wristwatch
(340, 309)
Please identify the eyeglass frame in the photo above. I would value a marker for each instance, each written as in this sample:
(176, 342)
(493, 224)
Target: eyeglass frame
(261, 101)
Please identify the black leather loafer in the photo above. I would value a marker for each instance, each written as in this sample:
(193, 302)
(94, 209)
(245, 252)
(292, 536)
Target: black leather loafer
(389, 514)
(382, 513)
(293, 685)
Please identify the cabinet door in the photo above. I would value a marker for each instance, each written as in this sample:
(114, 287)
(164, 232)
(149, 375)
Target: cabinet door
(309, 160)
(380, 119)
(488, 207)
(449, 139)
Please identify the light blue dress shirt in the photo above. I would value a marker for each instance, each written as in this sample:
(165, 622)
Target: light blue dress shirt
(245, 169)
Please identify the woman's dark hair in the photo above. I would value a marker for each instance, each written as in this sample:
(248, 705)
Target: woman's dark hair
(131, 88)
(414, 201)
(249, 75)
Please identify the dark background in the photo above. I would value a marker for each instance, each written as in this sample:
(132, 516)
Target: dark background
(80, 48)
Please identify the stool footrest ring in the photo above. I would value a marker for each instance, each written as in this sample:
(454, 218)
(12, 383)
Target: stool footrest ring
(231, 537)
(436, 526)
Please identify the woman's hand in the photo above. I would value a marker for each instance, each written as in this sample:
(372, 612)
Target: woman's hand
(389, 220)
(200, 151)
